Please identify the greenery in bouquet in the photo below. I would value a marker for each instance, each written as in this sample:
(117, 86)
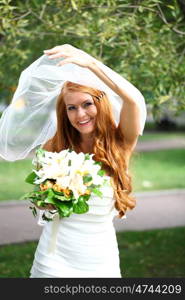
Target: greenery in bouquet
(64, 180)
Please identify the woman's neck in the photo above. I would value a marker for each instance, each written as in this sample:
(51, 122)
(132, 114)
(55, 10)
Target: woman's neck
(86, 144)
(86, 147)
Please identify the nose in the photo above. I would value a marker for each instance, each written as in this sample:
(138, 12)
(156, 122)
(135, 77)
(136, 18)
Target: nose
(81, 112)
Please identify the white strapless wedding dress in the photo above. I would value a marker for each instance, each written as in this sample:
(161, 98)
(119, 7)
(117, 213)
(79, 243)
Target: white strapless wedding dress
(82, 245)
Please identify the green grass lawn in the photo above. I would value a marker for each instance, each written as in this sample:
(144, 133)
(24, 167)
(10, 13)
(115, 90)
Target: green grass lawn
(149, 136)
(153, 170)
(154, 253)
(12, 176)
(158, 170)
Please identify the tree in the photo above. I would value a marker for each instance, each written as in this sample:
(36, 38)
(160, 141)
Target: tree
(144, 40)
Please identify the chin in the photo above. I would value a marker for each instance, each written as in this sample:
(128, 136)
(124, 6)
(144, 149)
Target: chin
(86, 131)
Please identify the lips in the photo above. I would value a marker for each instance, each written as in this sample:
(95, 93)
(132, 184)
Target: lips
(84, 123)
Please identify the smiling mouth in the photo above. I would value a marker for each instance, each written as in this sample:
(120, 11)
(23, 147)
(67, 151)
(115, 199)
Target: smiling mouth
(84, 123)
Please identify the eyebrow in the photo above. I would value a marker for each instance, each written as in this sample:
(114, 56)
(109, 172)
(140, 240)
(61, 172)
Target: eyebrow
(81, 103)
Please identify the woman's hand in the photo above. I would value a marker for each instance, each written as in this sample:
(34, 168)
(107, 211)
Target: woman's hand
(70, 55)
(47, 207)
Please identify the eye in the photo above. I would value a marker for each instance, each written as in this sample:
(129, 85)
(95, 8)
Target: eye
(88, 104)
(71, 108)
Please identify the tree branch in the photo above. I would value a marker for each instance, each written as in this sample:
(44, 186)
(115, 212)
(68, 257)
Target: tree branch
(166, 22)
(23, 16)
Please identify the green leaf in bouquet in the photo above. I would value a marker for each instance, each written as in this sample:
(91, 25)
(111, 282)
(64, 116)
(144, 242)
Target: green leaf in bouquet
(50, 197)
(98, 163)
(36, 188)
(65, 209)
(87, 156)
(58, 193)
(87, 178)
(33, 195)
(81, 206)
(101, 173)
(92, 186)
(40, 152)
(86, 197)
(39, 203)
(97, 192)
(30, 195)
(34, 211)
(62, 198)
(31, 178)
(50, 200)
(25, 196)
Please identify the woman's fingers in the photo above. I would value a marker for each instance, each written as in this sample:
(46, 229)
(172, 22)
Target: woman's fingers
(50, 207)
(57, 55)
(59, 49)
(53, 50)
(65, 61)
(50, 52)
(47, 207)
(62, 51)
(69, 54)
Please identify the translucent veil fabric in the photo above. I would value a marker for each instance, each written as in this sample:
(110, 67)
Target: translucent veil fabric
(30, 120)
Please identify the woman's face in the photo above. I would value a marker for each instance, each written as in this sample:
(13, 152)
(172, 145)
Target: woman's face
(81, 112)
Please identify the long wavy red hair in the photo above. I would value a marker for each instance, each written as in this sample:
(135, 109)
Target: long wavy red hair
(108, 146)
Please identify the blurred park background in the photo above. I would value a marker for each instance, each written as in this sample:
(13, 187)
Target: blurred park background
(144, 41)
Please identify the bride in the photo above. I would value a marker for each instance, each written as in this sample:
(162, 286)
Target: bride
(99, 112)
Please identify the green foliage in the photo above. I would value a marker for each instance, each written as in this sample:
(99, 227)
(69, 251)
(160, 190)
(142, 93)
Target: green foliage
(142, 40)
(64, 205)
(31, 178)
(97, 192)
(80, 206)
(87, 178)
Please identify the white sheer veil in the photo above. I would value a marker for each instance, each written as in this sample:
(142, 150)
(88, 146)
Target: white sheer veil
(30, 120)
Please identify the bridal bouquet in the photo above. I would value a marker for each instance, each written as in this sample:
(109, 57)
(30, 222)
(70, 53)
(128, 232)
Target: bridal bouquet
(64, 180)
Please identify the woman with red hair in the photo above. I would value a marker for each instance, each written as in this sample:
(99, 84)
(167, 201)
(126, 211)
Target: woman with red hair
(85, 245)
